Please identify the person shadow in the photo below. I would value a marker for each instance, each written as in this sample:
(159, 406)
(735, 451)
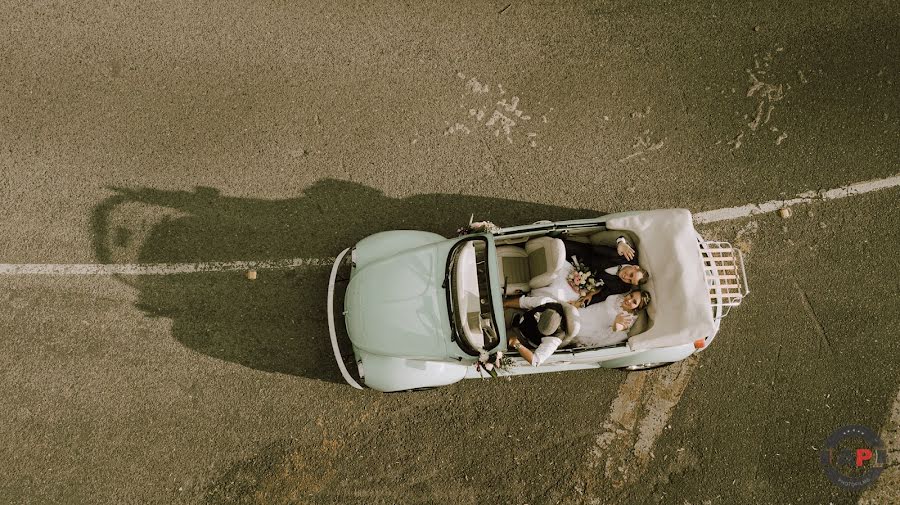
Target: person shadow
(277, 322)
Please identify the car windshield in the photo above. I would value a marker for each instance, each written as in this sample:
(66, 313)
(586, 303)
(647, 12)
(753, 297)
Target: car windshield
(471, 303)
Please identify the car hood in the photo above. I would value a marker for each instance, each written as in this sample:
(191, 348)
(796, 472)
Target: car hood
(397, 307)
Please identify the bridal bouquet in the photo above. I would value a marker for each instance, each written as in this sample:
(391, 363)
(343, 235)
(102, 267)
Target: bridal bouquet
(582, 279)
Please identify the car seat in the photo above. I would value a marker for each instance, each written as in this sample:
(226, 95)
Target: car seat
(534, 266)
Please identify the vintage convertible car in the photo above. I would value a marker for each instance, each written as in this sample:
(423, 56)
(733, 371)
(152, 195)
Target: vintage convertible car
(420, 309)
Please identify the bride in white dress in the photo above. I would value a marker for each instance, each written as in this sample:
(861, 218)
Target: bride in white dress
(607, 322)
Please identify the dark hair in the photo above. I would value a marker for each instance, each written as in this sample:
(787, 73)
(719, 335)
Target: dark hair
(645, 276)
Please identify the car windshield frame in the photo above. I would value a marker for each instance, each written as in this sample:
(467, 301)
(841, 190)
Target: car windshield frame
(492, 335)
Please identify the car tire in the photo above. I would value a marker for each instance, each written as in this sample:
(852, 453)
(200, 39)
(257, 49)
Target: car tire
(645, 366)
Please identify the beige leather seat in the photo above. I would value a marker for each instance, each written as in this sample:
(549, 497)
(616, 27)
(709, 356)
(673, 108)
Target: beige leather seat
(534, 266)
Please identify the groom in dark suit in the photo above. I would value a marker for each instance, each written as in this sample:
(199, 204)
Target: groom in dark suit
(616, 266)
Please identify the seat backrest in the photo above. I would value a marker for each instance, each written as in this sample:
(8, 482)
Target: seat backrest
(642, 323)
(512, 262)
(608, 238)
(546, 257)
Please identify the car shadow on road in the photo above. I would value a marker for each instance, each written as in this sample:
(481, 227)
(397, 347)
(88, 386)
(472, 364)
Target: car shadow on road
(276, 323)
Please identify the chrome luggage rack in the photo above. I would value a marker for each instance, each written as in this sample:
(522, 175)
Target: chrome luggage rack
(725, 276)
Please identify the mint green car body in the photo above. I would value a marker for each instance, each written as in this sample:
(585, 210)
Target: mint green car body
(395, 304)
(396, 310)
(399, 311)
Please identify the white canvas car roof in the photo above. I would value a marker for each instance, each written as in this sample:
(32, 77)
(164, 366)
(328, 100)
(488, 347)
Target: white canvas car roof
(667, 248)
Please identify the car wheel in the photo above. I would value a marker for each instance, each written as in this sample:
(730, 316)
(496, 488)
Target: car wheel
(645, 366)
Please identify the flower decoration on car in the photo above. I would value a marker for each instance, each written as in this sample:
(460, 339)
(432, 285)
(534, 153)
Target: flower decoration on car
(491, 363)
(477, 227)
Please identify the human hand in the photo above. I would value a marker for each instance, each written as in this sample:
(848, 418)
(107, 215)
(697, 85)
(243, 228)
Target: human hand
(622, 321)
(625, 250)
(584, 300)
(513, 342)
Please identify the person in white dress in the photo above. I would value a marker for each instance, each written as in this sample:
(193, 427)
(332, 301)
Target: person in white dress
(607, 322)
(601, 324)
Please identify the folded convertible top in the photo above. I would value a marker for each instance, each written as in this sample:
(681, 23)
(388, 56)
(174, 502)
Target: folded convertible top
(669, 249)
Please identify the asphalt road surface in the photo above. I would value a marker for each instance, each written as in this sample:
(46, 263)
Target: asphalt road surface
(189, 133)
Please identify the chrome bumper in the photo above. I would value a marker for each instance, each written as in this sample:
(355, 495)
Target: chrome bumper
(334, 343)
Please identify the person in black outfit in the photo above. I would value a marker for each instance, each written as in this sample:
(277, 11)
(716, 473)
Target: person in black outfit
(616, 266)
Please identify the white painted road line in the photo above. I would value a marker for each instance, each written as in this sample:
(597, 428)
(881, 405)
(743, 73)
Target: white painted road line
(161, 268)
(645, 401)
(225, 266)
(859, 188)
